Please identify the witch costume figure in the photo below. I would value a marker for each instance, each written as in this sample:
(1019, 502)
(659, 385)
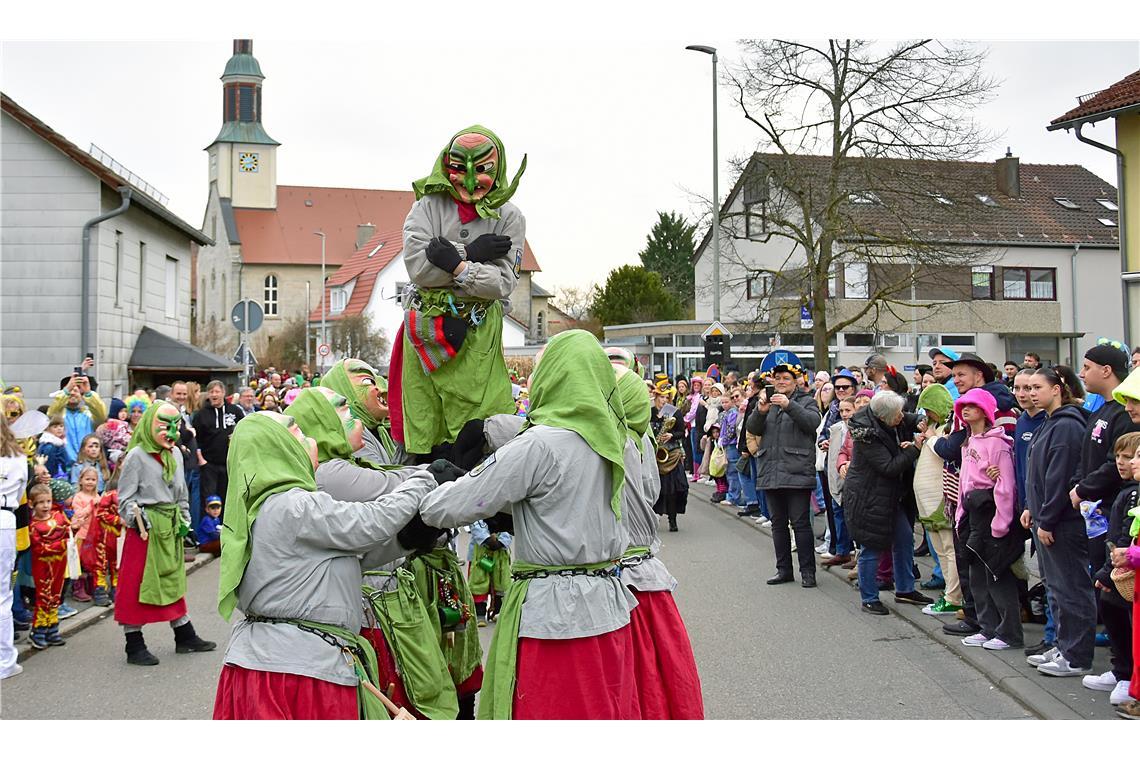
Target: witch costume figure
(463, 248)
(365, 389)
(154, 505)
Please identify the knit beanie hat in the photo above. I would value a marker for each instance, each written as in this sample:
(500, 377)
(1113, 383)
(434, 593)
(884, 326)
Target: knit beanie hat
(980, 398)
(61, 490)
(1108, 356)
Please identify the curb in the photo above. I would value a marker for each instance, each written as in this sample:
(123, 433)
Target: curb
(1036, 699)
(92, 615)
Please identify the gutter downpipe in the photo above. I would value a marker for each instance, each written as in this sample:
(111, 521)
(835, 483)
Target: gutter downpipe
(1073, 285)
(85, 298)
(1121, 206)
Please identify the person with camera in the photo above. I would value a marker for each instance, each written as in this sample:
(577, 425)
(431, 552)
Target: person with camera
(80, 405)
(786, 419)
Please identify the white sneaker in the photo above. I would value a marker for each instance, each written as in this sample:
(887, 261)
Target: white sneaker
(1119, 694)
(995, 644)
(1061, 668)
(977, 640)
(821, 549)
(1037, 660)
(17, 669)
(763, 522)
(1103, 682)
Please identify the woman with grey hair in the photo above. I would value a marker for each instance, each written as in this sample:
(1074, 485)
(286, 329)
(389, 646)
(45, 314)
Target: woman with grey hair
(875, 498)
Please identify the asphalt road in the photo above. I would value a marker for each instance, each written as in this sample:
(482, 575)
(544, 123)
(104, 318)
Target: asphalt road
(763, 652)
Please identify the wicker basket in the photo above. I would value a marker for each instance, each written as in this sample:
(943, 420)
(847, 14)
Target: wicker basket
(1125, 580)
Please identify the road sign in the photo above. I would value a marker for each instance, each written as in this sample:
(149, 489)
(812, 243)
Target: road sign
(244, 356)
(716, 328)
(324, 349)
(806, 321)
(247, 316)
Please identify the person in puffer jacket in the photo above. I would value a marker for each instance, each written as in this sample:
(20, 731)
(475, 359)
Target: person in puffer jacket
(986, 513)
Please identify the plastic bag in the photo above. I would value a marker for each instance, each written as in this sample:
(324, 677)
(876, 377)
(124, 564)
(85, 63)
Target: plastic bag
(74, 568)
(718, 466)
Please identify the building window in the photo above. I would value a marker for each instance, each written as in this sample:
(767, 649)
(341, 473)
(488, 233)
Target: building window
(755, 223)
(1026, 284)
(118, 267)
(864, 199)
(960, 341)
(1108, 204)
(942, 199)
(540, 325)
(986, 200)
(1107, 222)
(338, 300)
(142, 276)
(401, 291)
(983, 283)
(858, 340)
(832, 281)
(1066, 203)
(171, 287)
(855, 280)
(270, 304)
(759, 287)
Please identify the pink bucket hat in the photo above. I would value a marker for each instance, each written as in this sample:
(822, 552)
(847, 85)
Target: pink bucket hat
(982, 399)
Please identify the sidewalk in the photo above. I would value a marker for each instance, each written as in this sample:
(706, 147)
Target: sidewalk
(1049, 698)
(89, 614)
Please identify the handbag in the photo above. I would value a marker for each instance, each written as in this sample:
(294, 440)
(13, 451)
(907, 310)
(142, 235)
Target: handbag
(718, 465)
(74, 568)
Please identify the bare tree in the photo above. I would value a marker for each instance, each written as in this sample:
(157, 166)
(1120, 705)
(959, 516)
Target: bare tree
(574, 301)
(858, 135)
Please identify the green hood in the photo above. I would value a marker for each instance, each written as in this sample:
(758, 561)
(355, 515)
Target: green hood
(264, 459)
(574, 388)
(635, 404)
(338, 380)
(317, 417)
(143, 437)
(1129, 389)
(936, 398)
(437, 181)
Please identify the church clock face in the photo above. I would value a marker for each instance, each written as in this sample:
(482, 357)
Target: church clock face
(247, 162)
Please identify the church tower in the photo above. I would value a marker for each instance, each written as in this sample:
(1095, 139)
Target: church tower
(243, 158)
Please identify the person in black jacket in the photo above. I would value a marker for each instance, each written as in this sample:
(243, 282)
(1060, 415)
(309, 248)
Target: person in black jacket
(1054, 456)
(213, 425)
(878, 479)
(786, 424)
(1097, 479)
(674, 494)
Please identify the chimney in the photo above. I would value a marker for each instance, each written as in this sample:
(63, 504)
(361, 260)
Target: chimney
(363, 233)
(1008, 172)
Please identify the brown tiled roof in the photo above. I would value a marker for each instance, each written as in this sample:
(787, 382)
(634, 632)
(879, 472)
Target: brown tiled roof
(907, 190)
(364, 266)
(285, 235)
(1123, 94)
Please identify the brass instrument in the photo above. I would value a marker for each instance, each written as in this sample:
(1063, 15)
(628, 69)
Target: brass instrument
(666, 427)
(668, 458)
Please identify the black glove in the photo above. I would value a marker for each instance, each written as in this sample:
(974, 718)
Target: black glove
(488, 248)
(493, 543)
(500, 523)
(443, 254)
(469, 444)
(444, 471)
(418, 536)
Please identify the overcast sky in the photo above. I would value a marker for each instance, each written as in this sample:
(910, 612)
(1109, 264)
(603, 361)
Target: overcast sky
(615, 131)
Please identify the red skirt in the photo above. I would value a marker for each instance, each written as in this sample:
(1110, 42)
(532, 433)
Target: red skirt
(259, 695)
(128, 609)
(590, 678)
(396, 386)
(388, 678)
(668, 686)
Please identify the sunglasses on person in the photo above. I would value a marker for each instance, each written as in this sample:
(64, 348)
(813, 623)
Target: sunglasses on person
(845, 388)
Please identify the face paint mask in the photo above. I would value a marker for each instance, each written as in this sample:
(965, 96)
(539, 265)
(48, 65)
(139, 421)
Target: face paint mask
(166, 428)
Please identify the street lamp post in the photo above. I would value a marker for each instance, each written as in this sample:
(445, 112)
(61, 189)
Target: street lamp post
(324, 338)
(308, 309)
(716, 188)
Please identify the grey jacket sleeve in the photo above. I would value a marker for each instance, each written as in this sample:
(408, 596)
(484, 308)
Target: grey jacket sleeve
(756, 421)
(418, 233)
(523, 467)
(182, 492)
(359, 527)
(497, 279)
(650, 476)
(345, 481)
(128, 486)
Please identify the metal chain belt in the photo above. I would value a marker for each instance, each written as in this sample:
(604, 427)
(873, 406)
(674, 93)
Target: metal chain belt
(328, 637)
(531, 575)
(635, 560)
(473, 315)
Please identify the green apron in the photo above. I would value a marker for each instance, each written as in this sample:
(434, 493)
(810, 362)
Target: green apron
(358, 651)
(472, 385)
(499, 578)
(496, 702)
(404, 620)
(164, 574)
(466, 653)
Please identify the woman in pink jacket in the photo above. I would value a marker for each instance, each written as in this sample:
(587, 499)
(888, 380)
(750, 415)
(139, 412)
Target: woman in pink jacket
(986, 527)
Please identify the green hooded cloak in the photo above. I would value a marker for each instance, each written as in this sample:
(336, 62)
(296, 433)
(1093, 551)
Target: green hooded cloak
(438, 182)
(338, 380)
(319, 420)
(635, 403)
(264, 459)
(936, 398)
(144, 437)
(574, 388)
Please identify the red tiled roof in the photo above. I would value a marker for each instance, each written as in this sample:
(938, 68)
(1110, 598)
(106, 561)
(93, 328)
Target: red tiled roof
(285, 235)
(364, 267)
(1123, 94)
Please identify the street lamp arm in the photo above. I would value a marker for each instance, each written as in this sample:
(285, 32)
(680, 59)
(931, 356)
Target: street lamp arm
(702, 49)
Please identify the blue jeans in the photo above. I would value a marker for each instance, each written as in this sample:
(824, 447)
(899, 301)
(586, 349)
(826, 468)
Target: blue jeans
(820, 504)
(698, 455)
(843, 543)
(903, 552)
(733, 456)
(937, 572)
(748, 484)
(754, 471)
(193, 482)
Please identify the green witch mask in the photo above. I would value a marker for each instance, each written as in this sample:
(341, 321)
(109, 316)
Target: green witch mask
(166, 429)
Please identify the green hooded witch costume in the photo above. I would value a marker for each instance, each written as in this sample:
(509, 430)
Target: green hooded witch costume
(449, 353)
(340, 380)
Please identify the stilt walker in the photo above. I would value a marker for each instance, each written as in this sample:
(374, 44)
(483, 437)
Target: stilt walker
(154, 506)
(668, 685)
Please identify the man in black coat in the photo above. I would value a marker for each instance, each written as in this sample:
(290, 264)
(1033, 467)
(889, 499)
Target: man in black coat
(1104, 368)
(213, 424)
(786, 423)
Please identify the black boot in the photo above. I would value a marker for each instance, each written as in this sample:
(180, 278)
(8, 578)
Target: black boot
(137, 653)
(481, 613)
(466, 708)
(186, 640)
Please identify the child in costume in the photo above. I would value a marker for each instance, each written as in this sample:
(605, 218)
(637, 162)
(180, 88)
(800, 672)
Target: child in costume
(668, 686)
(154, 504)
(488, 568)
(99, 553)
(83, 505)
(564, 626)
(49, 532)
(297, 652)
(54, 448)
(463, 247)
(209, 531)
(365, 389)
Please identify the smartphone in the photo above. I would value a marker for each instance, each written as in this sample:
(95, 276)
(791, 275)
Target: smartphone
(79, 371)
(769, 391)
(91, 356)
